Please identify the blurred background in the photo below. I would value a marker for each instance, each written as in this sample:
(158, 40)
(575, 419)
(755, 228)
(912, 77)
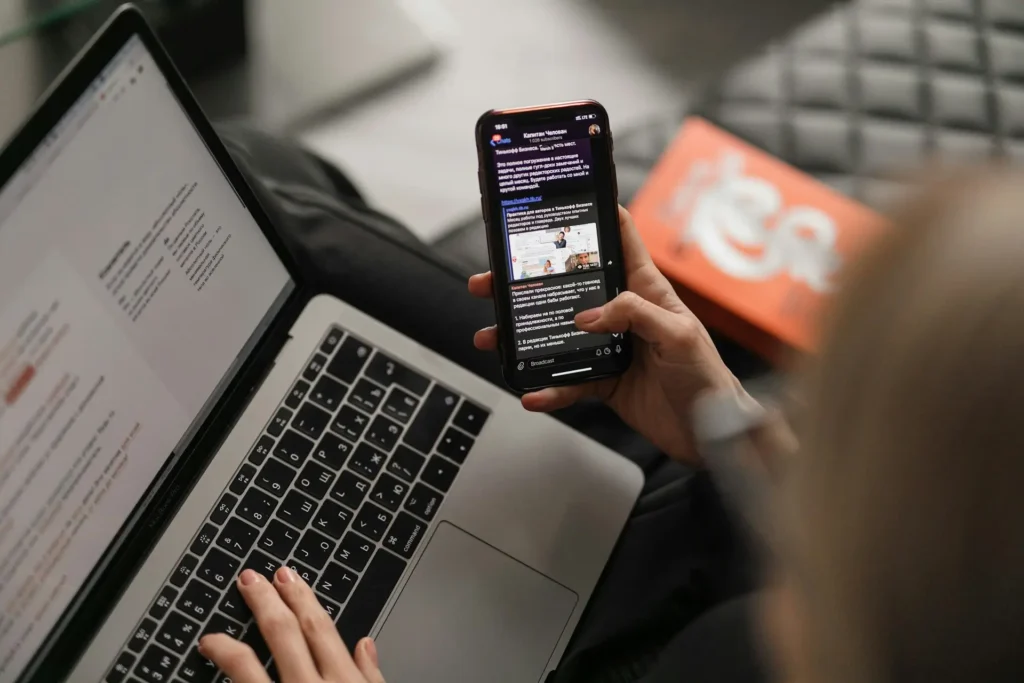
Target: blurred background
(389, 90)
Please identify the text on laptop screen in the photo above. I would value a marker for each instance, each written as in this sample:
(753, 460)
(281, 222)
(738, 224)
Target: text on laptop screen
(132, 281)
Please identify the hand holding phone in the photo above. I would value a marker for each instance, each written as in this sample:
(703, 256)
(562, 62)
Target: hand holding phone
(549, 199)
(675, 359)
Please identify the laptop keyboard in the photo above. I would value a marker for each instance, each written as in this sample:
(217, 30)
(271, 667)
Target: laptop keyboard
(342, 486)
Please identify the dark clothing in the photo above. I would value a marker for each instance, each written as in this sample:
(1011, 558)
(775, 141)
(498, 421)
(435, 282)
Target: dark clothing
(559, 244)
(661, 611)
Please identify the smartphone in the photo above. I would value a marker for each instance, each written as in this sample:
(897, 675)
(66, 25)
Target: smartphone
(550, 202)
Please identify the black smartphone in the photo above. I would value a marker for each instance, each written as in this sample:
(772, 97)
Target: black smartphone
(550, 201)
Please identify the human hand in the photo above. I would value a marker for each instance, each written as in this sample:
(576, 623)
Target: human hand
(301, 636)
(674, 359)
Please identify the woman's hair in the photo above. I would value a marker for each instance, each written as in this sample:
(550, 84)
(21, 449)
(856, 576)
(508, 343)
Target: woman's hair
(909, 497)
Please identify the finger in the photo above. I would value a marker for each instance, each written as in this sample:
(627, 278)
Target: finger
(322, 637)
(667, 332)
(280, 628)
(235, 659)
(480, 285)
(556, 398)
(366, 660)
(641, 272)
(486, 339)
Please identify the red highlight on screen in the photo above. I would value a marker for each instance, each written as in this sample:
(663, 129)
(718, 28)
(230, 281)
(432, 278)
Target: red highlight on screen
(19, 385)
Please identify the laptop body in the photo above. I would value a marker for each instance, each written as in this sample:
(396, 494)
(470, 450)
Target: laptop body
(177, 406)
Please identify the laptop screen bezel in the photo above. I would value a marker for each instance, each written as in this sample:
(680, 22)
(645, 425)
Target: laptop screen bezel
(68, 639)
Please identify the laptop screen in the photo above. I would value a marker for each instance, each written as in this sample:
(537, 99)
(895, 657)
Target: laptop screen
(132, 282)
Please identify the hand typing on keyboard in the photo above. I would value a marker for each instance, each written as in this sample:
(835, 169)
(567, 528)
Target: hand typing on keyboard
(674, 357)
(300, 635)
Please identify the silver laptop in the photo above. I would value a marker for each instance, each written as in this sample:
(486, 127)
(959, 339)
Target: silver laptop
(176, 406)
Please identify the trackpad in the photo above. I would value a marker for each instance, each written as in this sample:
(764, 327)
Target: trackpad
(472, 613)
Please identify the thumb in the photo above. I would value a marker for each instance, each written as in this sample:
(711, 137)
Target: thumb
(366, 660)
(668, 334)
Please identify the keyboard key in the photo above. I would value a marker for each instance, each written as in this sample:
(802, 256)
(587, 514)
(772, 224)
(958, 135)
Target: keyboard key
(272, 673)
(223, 509)
(234, 606)
(218, 568)
(221, 624)
(197, 600)
(328, 393)
(177, 633)
(311, 421)
(196, 668)
(330, 342)
(237, 537)
(331, 607)
(315, 480)
(455, 445)
(337, 582)
(314, 549)
(332, 519)
(275, 477)
(350, 490)
(163, 602)
(389, 492)
(430, 421)
(368, 600)
(304, 572)
(203, 539)
(366, 395)
(440, 473)
(278, 539)
(242, 479)
(262, 564)
(184, 570)
(121, 668)
(470, 417)
(423, 502)
(406, 463)
(156, 665)
(372, 521)
(256, 507)
(261, 450)
(354, 551)
(367, 461)
(332, 451)
(405, 535)
(297, 393)
(349, 423)
(383, 433)
(279, 422)
(349, 360)
(400, 405)
(254, 639)
(143, 634)
(387, 371)
(314, 367)
(293, 448)
(296, 509)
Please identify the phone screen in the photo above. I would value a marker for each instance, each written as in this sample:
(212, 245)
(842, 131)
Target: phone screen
(548, 182)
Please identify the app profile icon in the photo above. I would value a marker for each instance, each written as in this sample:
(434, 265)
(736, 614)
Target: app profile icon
(595, 129)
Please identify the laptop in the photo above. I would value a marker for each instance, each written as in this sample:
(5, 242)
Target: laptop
(176, 406)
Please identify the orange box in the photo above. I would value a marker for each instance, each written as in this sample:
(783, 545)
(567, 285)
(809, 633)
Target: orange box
(753, 245)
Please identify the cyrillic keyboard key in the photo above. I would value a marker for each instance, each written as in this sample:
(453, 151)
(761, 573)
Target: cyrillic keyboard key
(405, 534)
(336, 582)
(177, 633)
(383, 433)
(256, 507)
(470, 417)
(314, 549)
(221, 624)
(254, 639)
(350, 490)
(156, 665)
(293, 448)
(196, 668)
(387, 371)
(349, 360)
(234, 605)
(328, 393)
(296, 509)
(368, 600)
(237, 537)
(331, 607)
(275, 477)
(423, 502)
(400, 405)
(367, 461)
(218, 568)
(372, 521)
(311, 421)
(315, 480)
(354, 551)
(406, 463)
(389, 492)
(332, 519)
(278, 539)
(366, 395)
(304, 572)
(430, 421)
(455, 445)
(262, 564)
(349, 423)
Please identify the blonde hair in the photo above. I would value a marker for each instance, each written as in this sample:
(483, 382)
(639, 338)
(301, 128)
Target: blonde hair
(909, 496)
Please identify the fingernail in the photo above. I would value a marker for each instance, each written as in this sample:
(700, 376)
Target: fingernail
(249, 577)
(285, 575)
(587, 317)
(371, 650)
